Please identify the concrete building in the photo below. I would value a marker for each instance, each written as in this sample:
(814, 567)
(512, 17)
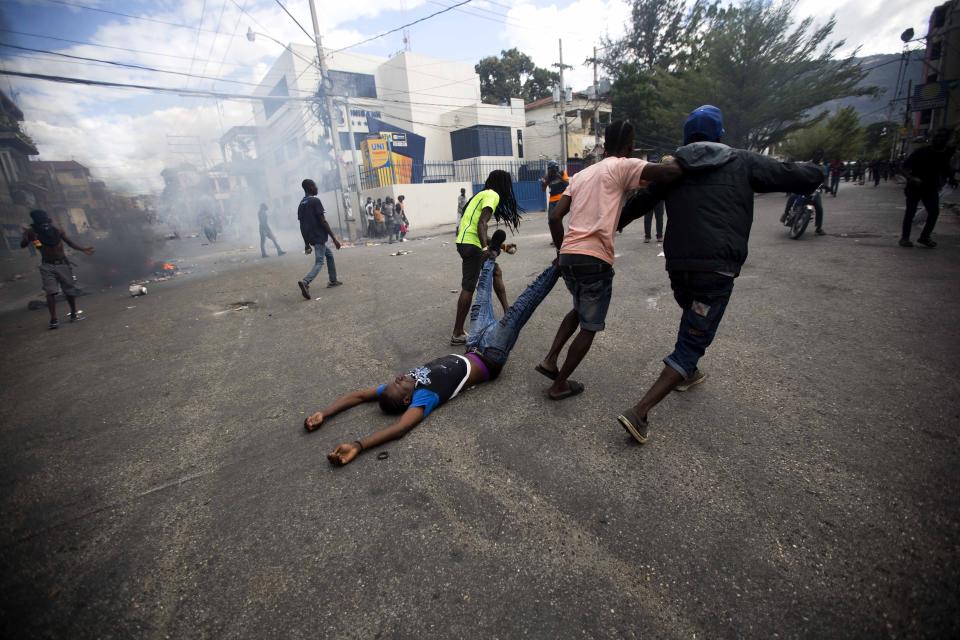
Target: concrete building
(19, 190)
(429, 111)
(71, 192)
(544, 139)
(936, 102)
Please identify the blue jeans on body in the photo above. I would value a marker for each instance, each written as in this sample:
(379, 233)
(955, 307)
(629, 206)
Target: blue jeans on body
(492, 338)
(321, 252)
(703, 296)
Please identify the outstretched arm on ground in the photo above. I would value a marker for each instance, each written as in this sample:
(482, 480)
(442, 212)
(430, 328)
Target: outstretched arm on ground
(346, 452)
(555, 220)
(341, 404)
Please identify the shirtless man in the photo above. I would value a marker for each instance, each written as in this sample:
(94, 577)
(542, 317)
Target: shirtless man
(414, 395)
(56, 272)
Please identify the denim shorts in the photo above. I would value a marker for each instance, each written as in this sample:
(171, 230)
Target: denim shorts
(703, 297)
(590, 281)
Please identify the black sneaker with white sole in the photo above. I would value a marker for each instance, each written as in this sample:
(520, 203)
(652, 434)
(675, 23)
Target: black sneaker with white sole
(304, 289)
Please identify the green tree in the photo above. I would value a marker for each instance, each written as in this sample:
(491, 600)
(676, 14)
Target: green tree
(663, 37)
(840, 137)
(513, 75)
(766, 72)
(879, 139)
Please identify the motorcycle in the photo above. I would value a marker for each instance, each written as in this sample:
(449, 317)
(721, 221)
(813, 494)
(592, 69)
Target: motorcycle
(798, 213)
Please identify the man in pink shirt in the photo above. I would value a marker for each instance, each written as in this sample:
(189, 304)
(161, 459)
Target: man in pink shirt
(593, 200)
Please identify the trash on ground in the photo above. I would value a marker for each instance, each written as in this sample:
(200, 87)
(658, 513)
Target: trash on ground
(133, 307)
(383, 455)
(401, 253)
(137, 290)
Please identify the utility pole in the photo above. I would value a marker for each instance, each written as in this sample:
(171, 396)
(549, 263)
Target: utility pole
(596, 102)
(563, 111)
(356, 165)
(328, 100)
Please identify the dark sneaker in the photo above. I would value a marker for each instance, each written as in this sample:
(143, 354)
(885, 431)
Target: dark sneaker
(646, 239)
(820, 232)
(697, 377)
(335, 283)
(926, 242)
(78, 316)
(496, 241)
(637, 427)
(54, 324)
(304, 289)
(905, 242)
(659, 239)
(263, 255)
(281, 253)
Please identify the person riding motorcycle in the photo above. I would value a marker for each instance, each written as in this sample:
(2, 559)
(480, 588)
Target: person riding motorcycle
(816, 199)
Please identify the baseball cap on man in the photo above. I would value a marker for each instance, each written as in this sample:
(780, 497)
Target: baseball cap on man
(706, 121)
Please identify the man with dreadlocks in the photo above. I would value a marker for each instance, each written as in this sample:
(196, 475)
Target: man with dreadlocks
(56, 272)
(415, 394)
(496, 200)
(593, 200)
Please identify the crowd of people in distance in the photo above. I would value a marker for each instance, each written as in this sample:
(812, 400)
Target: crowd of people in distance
(387, 218)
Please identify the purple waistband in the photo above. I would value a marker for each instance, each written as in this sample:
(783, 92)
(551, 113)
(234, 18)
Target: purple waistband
(478, 361)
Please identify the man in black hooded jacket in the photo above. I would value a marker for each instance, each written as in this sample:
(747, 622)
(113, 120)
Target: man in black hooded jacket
(710, 212)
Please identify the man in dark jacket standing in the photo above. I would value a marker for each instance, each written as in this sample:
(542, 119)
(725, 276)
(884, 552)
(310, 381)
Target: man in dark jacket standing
(315, 231)
(926, 171)
(710, 212)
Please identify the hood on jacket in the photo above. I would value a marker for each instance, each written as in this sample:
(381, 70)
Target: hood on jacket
(698, 156)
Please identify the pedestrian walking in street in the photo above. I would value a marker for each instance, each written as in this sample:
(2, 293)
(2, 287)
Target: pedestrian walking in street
(593, 200)
(56, 270)
(402, 220)
(390, 219)
(927, 169)
(378, 217)
(266, 232)
(711, 212)
(368, 212)
(416, 394)
(316, 231)
(657, 212)
(496, 200)
(554, 183)
(875, 172)
(461, 203)
(837, 169)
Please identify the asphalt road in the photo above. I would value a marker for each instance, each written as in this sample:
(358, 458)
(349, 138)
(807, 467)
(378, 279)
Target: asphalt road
(156, 481)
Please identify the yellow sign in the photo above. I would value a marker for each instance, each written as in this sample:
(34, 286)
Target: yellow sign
(378, 152)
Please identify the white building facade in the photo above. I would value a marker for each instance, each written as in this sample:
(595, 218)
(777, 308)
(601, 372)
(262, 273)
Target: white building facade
(437, 101)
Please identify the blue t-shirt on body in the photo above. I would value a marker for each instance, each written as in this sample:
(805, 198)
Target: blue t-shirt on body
(437, 381)
(424, 398)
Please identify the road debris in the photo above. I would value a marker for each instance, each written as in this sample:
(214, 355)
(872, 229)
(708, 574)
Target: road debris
(137, 289)
(401, 252)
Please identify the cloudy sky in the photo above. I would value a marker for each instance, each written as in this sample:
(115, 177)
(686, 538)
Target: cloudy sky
(124, 135)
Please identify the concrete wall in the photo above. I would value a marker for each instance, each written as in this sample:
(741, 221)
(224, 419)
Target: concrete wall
(427, 205)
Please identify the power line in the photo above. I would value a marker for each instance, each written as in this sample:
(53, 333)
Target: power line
(107, 46)
(193, 57)
(191, 93)
(285, 10)
(125, 15)
(129, 65)
(401, 27)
